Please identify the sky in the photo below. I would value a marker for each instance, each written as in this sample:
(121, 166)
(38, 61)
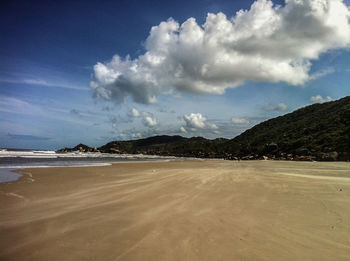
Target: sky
(94, 71)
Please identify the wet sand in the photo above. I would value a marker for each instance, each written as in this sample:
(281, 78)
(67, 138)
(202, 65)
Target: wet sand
(202, 210)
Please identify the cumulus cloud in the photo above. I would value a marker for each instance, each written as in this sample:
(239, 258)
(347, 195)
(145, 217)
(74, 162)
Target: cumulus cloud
(149, 121)
(240, 121)
(320, 99)
(279, 107)
(136, 135)
(268, 43)
(130, 135)
(196, 121)
(135, 112)
(182, 129)
(147, 117)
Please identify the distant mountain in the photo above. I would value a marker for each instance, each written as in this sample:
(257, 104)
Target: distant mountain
(315, 132)
(169, 146)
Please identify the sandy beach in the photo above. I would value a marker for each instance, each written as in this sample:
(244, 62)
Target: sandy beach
(192, 210)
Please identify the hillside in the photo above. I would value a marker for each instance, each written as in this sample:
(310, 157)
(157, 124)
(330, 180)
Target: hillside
(315, 132)
(169, 145)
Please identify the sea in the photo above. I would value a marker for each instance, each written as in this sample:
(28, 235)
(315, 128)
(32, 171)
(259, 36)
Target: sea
(19, 159)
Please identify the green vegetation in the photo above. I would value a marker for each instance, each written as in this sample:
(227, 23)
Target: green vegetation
(309, 131)
(169, 145)
(315, 132)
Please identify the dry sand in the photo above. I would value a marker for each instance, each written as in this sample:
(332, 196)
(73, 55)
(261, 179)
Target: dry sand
(203, 210)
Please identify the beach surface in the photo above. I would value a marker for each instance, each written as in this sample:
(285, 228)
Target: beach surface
(190, 210)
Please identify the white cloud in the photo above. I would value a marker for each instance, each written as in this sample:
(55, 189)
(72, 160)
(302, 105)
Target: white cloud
(266, 43)
(196, 121)
(182, 129)
(14, 105)
(279, 107)
(147, 118)
(240, 121)
(213, 126)
(130, 135)
(321, 73)
(136, 135)
(320, 99)
(135, 113)
(149, 121)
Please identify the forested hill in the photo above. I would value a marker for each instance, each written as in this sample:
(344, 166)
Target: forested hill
(315, 132)
(310, 131)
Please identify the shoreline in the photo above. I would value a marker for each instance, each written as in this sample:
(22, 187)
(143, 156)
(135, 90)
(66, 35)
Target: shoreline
(178, 210)
(17, 170)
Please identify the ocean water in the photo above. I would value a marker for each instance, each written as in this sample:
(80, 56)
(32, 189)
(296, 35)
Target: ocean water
(19, 159)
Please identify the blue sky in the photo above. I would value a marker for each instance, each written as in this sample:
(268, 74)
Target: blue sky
(52, 94)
